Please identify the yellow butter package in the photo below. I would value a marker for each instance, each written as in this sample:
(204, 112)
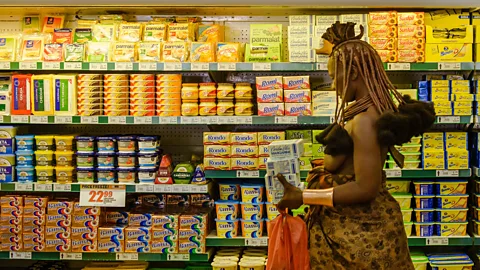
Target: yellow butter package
(202, 52)
(441, 90)
(104, 32)
(456, 136)
(446, 52)
(42, 95)
(440, 96)
(8, 47)
(433, 146)
(433, 164)
(181, 32)
(175, 52)
(32, 48)
(433, 136)
(443, 111)
(155, 32)
(460, 89)
(465, 83)
(130, 32)
(216, 138)
(123, 52)
(210, 33)
(461, 104)
(223, 164)
(65, 94)
(229, 52)
(462, 111)
(434, 154)
(443, 103)
(148, 51)
(463, 97)
(262, 163)
(457, 164)
(457, 154)
(97, 51)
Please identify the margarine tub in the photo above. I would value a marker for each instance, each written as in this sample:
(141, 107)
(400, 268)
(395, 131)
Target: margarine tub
(424, 229)
(458, 265)
(415, 156)
(147, 143)
(106, 159)
(64, 158)
(227, 228)
(64, 142)
(24, 157)
(44, 142)
(451, 228)
(452, 201)
(126, 159)
(106, 143)
(25, 174)
(425, 215)
(24, 142)
(106, 175)
(408, 228)
(419, 262)
(409, 148)
(229, 190)
(451, 187)
(394, 186)
(476, 201)
(85, 175)
(251, 193)
(127, 175)
(85, 159)
(127, 143)
(424, 201)
(451, 215)
(252, 211)
(45, 174)
(226, 210)
(404, 200)
(424, 188)
(225, 258)
(147, 160)
(44, 158)
(224, 265)
(406, 165)
(252, 228)
(64, 174)
(147, 175)
(85, 143)
(406, 214)
(272, 211)
(252, 265)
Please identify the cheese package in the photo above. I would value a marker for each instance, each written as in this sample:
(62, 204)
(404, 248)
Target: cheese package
(74, 52)
(155, 32)
(202, 52)
(62, 35)
(269, 83)
(65, 93)
(31, 24)
(42, 95)
(411, 44)
(175, 52)
(32, 48)
(296, 82)
(271, 109)
(229, 52)
(268, 52)
(97, 51)
(411, 31)
(53, 52)
(50, 23)
(181, 32)
(8, 47)
(298, 109)
(383, 43)
(382, 31)
(129, 32)
(123, 52)
(82, 35)
(148, 51)
(104, 32)
(210, 33)
(265, 33)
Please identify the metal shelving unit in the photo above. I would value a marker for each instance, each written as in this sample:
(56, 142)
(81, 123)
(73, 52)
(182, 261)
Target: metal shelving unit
(138, 188)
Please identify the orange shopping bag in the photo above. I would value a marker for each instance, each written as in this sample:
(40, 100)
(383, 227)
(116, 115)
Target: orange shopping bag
(288, 244)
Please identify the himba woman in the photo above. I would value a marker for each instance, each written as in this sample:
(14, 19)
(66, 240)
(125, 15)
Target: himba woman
(353, 221)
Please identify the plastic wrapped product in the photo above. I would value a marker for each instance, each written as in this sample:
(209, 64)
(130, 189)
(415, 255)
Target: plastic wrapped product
(148, 51)
(63, 35)
(8, 47)
(53, 52)
(104, 32)
(74, 52)
(51, 22)
(123, 52)
(129, 32)
(175, 52)
(97, 51)
(82, 35)
(202, 52)
(155, 32)
(229, 52)
(31, 48)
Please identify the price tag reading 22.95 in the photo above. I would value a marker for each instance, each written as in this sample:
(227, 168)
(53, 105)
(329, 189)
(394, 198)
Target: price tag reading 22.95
(102, 195)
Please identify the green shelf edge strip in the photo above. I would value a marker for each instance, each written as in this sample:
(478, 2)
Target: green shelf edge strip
(94, 256)
(75, 187)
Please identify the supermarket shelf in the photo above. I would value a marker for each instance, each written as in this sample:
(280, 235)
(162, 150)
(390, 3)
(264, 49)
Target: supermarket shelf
(476, 239)
(476, 171)
(416, 241)
(214, 241)
(242, 174)
(139, 188)
(454, 119)
(151, 66)
(94, 256)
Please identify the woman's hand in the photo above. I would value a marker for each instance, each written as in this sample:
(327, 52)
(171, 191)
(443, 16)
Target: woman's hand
(292, 197)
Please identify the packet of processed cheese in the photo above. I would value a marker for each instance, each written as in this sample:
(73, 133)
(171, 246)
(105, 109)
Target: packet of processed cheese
(86, 23)
(32, 46)
(210, 33)
(129, 32)
(31, 24)
(62, 35)
(52, 22)
(8, 47)
(97, 51)
(229, 52)
(74, 52)
(82, 35)
(202, 52)
(148, 51)
(104, 32)
(53, 52)
(181, 32)
(155, 32)
(175, 52)
(123, 52)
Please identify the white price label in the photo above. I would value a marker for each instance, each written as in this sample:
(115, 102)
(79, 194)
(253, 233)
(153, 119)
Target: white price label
(437, 241)
(72, 65)
(178, 257)
(227, 120)
(262, 66)
(147, 66)
(124, 66)
(19, 119)
(71, 256)
(227, 66)
(117, 120)
(1, 119)
(286, 120)
(38, 119)
(190, 120)
(102, 195)
(172, 66)
(177, 188)
(98, 66)
(89, 119)
(144, 188)
(256, 242)
(449, 66)
(204, 119)
(248, 174)
(199, 188)
(62, 187)
(4, 65)
(127, 256)
(393, 173)
(321, 66)
(43, 187)
(20, 255)
(244, 120)
(448, 119)
(142, 120)
(63, 119)
(163, 188)
(200, 66)
(168, 120)
(211, 120)
(447, 173)
(51, 65)
(28, 65)
(398, 66)
(23, 187)
(332, 119)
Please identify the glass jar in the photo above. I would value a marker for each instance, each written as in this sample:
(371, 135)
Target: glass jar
(207, 91)
(225, 107)
(190, 91)
(244, 107)
(243, 91)
(207, 107)
(225, 91)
